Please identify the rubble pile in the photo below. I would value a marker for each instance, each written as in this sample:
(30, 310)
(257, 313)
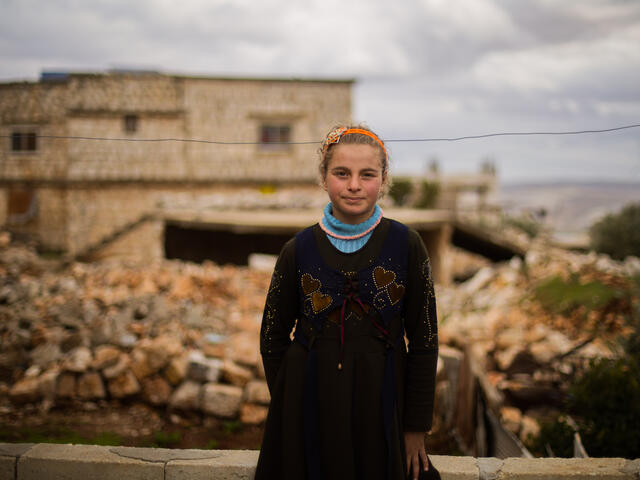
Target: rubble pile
(185, 337)
(174, 335)
(523, 355)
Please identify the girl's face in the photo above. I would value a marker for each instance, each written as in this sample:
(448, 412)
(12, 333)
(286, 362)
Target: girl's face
(354, 181)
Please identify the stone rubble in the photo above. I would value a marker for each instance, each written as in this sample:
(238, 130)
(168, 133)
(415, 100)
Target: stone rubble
(173, 334)
(185, 337)
(526, 355)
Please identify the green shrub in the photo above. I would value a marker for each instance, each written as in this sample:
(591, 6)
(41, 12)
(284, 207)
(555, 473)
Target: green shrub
(429, 192)
(166, 440)
(618, 234)
(57, 434)
(400, 191)
(564, 296)
(605, 403)
(604, 400)
(557, 435)
(212, 444)
(231, 426)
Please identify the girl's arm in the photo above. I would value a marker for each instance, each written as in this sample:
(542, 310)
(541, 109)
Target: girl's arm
(280, 312)
(421, 327)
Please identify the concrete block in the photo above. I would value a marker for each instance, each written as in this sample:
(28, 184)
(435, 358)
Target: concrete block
(455, 468)
(230, 465)
(9, 454)
(81, 462)
(15, 449)
(633, 467)
(7, 467)
(566, 468)
(489, 468)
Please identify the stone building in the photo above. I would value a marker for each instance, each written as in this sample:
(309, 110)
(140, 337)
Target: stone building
(86, 163)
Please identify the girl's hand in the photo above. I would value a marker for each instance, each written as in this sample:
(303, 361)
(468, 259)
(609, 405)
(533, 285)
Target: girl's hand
(414, 443)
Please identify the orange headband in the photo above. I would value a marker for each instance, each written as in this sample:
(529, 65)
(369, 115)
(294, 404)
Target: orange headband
(338, 133)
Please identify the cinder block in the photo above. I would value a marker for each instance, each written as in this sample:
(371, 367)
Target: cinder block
(230, 465)
(82, 462)
(566, 468)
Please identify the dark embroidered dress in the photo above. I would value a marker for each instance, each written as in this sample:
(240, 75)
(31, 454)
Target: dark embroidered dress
(345, 388)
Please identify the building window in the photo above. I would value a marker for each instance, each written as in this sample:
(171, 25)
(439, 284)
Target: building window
(24, 141)
(275, 136)
(130, 123)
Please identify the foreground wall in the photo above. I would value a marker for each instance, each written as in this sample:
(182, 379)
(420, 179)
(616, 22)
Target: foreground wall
(51, 461)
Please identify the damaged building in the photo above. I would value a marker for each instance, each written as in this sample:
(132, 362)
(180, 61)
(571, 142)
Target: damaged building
(88, 159)
(145, 165)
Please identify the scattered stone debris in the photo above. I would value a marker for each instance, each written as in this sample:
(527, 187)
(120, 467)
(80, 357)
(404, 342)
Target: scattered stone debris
(174, 334)
(185, 337)
(525, 355)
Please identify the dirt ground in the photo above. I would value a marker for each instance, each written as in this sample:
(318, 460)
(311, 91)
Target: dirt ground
(134, 424)
(138, 425)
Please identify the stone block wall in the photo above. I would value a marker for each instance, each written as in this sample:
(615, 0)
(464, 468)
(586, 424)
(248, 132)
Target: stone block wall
(28, 461)
(141, 245)
(124, 92)
(167, 107)
(95, 213)
(72, 218)
(235, 111)
(41, 108)
(49, 223)
(87, 189)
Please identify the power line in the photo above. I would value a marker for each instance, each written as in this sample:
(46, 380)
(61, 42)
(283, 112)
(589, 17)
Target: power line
(513, 134)
(403, 140)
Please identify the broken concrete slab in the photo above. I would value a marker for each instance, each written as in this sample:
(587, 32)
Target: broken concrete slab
(84, 461)
(163, 455)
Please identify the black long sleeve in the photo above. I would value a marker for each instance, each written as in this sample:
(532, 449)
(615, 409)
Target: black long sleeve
(421, 328)
(280, 311)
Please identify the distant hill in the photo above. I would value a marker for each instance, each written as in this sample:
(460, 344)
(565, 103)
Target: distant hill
(571, 207)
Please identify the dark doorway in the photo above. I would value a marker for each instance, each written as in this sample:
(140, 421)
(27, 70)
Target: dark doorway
(21, 205)
(220, 246)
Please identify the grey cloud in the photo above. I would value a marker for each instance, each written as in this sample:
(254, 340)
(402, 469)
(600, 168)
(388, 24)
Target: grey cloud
(425, 67)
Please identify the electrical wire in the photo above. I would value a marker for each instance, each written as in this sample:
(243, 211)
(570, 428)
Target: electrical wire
(403, 140)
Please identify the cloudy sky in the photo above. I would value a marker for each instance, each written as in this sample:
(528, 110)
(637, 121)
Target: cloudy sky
(424, 68)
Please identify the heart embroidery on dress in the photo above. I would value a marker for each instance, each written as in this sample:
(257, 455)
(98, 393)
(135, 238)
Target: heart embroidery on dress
(382, 277)
(320, 302)
(395, 292)
(310, 284)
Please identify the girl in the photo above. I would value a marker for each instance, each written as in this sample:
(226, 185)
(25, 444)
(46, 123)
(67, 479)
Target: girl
(347, 400)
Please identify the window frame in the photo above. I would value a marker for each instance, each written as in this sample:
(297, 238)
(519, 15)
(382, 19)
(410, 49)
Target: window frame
(25, 139)
(275, 136)
(131, 123)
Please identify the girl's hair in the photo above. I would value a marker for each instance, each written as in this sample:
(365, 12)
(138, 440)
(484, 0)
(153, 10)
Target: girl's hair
(352, 134)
